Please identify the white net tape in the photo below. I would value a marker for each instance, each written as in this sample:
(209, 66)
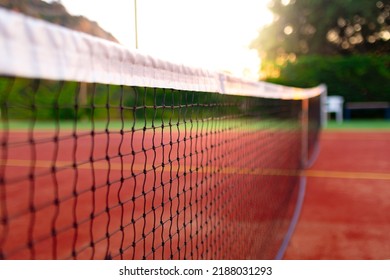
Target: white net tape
(33, 48)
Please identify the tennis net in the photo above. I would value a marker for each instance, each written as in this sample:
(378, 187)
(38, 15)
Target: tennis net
(113, 154)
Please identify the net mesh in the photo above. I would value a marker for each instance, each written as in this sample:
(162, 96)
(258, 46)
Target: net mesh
(92, 171)
(110, 154)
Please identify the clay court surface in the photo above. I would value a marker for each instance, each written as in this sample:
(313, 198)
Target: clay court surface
(85, 197)
(346, 212)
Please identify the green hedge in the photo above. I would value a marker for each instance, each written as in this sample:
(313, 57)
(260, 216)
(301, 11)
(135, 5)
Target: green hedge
(356, 77)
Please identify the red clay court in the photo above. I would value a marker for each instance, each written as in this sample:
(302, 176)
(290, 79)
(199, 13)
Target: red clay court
(346, 212)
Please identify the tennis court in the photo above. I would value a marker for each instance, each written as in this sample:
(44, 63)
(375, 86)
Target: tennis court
(92, 201)
(346, 212)
(108, 153)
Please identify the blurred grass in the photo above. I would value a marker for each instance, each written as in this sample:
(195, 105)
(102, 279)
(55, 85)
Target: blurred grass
(359, 124)
(116, 125)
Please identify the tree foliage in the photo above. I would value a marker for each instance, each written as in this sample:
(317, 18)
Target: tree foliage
(326, 27)
(355, 77)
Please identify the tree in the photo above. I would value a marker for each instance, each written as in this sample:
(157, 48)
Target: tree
(325, 27)
(56, 13)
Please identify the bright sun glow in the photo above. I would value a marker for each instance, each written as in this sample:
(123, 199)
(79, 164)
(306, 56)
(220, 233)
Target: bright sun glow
(212, 34)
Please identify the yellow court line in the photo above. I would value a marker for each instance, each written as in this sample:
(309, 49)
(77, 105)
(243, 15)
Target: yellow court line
(103, 165)
(346, 175)
(351, 137)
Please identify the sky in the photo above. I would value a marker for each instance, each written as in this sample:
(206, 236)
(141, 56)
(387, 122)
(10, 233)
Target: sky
(211, 34)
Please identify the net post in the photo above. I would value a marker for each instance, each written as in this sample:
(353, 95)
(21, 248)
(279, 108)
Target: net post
(324, 112)
(305, 132)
